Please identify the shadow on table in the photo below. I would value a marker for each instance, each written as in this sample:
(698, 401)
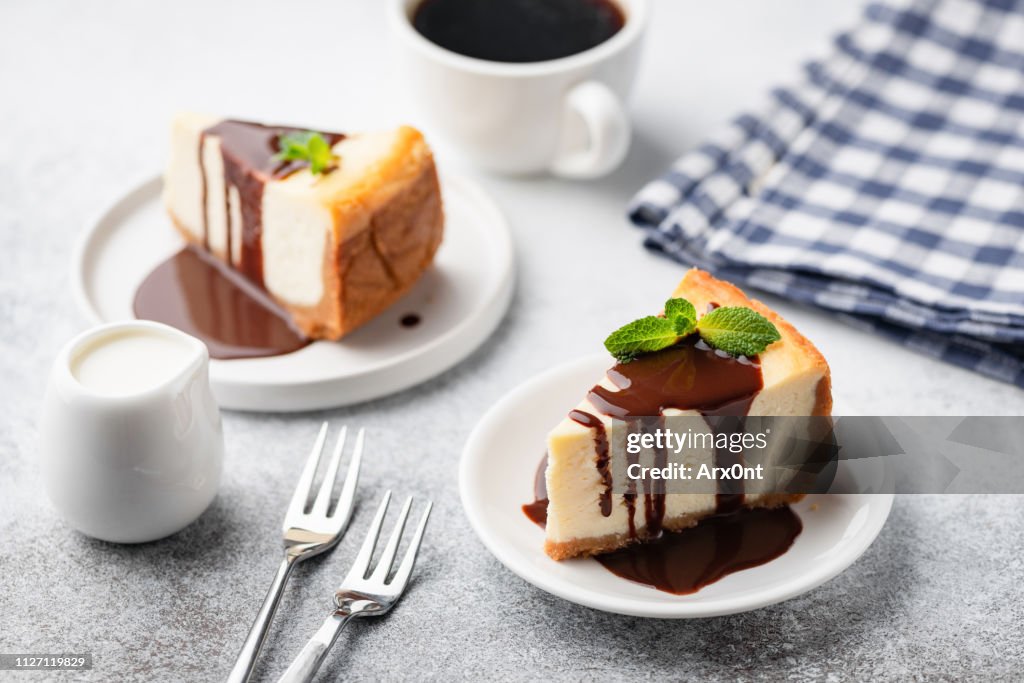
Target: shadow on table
(208, 539)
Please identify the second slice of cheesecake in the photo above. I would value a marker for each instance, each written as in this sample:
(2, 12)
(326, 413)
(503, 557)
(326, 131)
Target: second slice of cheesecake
(333, 248)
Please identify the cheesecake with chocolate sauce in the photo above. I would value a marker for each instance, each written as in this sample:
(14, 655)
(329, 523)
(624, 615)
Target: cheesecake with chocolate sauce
(334, 246)
(585, 516)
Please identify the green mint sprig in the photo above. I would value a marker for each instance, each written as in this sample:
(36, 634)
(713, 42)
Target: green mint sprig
(736, 330)
(310, 147)
(645, 335)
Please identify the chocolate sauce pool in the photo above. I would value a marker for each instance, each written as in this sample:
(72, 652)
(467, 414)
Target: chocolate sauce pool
(683, 562)
(198, 294)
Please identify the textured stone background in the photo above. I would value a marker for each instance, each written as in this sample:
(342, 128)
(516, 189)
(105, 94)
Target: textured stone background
(86, 91)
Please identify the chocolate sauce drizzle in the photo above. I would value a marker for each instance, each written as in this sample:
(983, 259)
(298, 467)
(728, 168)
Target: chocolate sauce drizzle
(683, 562)
(688, 376)
(249, 152)
(603, 456)
(537, 511)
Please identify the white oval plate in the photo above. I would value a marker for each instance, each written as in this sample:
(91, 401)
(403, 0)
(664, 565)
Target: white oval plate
(496, 477)
(460, 301)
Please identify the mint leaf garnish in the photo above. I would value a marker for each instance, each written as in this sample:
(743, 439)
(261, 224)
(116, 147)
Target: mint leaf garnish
(653, 333)
(737, 331)
(310, 147)
(645, 335)
(684, 326)
(680, 308)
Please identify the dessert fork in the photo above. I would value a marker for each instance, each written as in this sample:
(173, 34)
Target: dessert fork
(361, 593)
(305, 534)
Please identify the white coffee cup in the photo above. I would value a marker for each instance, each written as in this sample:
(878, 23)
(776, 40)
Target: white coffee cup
(564, 116)
(131, 440)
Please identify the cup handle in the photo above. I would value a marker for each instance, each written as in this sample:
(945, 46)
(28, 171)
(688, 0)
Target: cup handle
(594, 113)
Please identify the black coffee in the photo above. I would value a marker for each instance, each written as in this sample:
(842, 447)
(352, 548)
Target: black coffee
(518, 30)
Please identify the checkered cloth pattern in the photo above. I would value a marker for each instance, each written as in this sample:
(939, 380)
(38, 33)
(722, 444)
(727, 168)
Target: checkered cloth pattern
(886, 185)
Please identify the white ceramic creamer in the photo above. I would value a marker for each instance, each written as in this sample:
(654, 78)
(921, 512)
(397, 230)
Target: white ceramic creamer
(131, 441)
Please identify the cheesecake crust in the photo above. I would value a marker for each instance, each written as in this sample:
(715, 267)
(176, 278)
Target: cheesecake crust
(379, 262)
(702, 289)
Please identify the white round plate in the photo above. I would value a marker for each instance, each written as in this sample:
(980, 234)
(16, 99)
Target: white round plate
(496, 477)
(460, 301)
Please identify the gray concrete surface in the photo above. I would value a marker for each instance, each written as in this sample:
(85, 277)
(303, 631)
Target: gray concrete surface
(86, 91)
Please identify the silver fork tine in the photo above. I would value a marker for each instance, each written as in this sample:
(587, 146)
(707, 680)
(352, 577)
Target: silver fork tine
(348, 489)
(361, 565)
(409, 561)
(323, 497)
(304, 535)
(387, 558)
(305, 485)
(359, 595)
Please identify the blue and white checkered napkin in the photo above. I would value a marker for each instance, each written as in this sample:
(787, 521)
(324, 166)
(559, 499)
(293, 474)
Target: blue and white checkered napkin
(888, 185)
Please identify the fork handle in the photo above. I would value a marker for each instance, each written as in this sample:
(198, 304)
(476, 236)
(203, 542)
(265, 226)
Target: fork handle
(305, 666)
(258, 633)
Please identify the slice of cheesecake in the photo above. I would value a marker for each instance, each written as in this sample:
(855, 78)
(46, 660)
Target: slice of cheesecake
(334, 248)
(585, 516)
